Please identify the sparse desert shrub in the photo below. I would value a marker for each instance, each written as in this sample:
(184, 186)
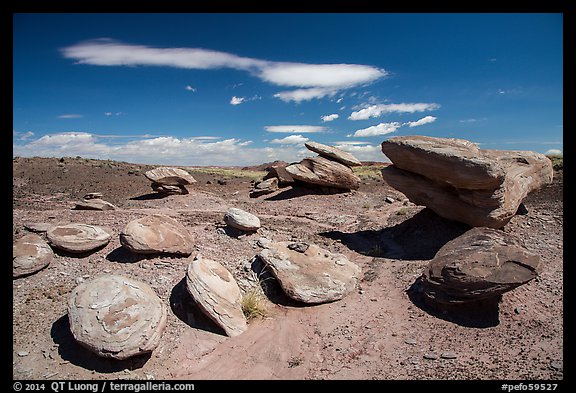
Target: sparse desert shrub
(253, 304)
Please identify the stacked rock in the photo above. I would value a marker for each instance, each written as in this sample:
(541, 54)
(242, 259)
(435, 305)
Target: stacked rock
(169, 181)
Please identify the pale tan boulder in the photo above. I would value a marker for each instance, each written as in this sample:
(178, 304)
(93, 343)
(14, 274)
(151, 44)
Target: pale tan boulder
(156, 234)
(30, 254)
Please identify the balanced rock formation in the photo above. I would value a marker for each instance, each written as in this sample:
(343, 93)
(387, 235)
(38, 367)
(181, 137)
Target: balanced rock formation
(30, 254)
(310, 274)
(264, 187)
(116, 317)
(330, 169)
(77, 237)
(217, 294)
(459, 181)
(239, 219)
(169, 180)
(156, 234)
(482, 263)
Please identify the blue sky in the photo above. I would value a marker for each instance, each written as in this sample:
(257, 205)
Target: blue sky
(241, 89)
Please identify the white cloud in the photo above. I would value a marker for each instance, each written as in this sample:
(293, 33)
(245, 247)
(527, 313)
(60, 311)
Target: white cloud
(363, 151)
(553, 152)
(422, 121)
(313, 80)
(291, 140)
(380, 129)
(378, 110)
(190, 88)
(237, 100)
(331, 117)
(303, 129)
(162, 150)
(70, 116)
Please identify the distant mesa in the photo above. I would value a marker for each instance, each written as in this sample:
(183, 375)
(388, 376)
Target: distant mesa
(156, 234)
(459, 181)
(481, 264)
(30, 254)
(169, 180)
(217, 294)
(116, 316)
(78, 238)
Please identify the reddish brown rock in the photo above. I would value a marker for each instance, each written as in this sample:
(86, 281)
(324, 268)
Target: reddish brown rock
(264, 187)
(30, 254)
(461, 182)
(94, 204)
(116, 317)
(478, 265)
(156, 234)
(324, 172)
(279, 171)
(334, 153)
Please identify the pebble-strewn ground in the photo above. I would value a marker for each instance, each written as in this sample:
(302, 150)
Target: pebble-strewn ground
(381, 331)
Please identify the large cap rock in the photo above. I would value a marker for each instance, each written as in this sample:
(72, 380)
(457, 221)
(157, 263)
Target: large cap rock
(310, 274)
(30, 254)
(156, 233)
(94, 204)
(77, 237)
(461, 182)
(482, 263)
(333, 152)
(217, 294)
(324, 172)
(239, 219)
(116, 317)
(169, 176)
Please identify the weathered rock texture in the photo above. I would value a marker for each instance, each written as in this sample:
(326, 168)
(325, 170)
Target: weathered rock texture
(461, 182)
(116, 317)
(264, 187)
(94, 204)
(480, 264)
(77, 237)
(30, 254)
(333, 152)
(169, 176)
(242, 220)
(310, 274)
(216, 292)
(156, 234)
(323, 171)
(279, 172)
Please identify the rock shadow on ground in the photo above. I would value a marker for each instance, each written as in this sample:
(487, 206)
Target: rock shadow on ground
(70, 350)
(481, 314)
(123, 255)
(150, 196)
(300, 191)
(416, 238)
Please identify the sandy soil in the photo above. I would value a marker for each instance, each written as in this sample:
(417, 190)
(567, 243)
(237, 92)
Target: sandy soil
(382, 331)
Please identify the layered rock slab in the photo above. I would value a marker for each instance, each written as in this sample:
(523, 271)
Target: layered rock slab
(323, 171)
(77, 237)
(156, 234)
(30, 254)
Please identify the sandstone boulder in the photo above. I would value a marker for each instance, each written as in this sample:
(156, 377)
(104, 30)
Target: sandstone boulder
(322, 171)
(169, 190)
(39, 227)
(30, 254)
(480, 264)
(156, 234)
(94, 204)
(169, 176)
(242, 220)
(116, 317)
(310, 274)
(264, 187)
(461, 182)
(334, 153)
(279, 172)
(216, 292)
(77, 237)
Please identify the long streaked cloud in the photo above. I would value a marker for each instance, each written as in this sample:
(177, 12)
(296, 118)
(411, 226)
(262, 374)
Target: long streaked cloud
(71, 116)
(301, 129)
(380, 129)
(331, 117)
(381, 109)
(421, 122)
(162, 150)
(291, 140)
(311, 80)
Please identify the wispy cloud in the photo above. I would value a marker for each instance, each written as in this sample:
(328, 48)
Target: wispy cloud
(311, 80)
(302, 129)
(422, 121)
(378, 110)
(380, 129)
(162, 150)
(291, 140)
(190, 88)
(70, 116)
(331, 117)
(553, 151)
(237, 100)
(22, 136)
(113, 113)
